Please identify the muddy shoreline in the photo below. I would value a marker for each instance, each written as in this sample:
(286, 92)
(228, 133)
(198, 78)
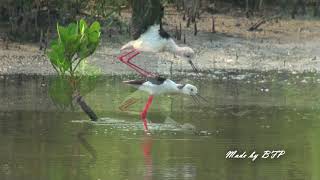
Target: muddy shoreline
(288, 45)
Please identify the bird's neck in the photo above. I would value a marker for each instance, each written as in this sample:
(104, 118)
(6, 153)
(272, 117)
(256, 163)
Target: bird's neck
(172, 87)
(173, 47)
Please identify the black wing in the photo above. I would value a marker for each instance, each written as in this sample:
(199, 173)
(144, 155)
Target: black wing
(154, 80)
(157, 80)
(163, 33)
(135, 82)
(137, 33)
(181, 86)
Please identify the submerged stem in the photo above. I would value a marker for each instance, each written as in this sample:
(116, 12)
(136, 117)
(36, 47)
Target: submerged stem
(85, 107)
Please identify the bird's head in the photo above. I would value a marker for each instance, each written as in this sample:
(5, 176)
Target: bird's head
(186, 52)
(189, 89)
(193, 92)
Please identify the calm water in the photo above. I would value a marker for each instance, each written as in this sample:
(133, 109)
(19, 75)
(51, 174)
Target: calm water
(45, 140)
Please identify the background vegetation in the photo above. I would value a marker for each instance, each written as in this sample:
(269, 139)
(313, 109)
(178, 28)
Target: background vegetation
(35, 19)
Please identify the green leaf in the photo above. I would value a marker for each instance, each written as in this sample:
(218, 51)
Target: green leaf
(94, 32)
(82, 26)
(68, 34)
(57, 56)
(72, 29)
(63, 33)
(95, 26)
(83, 49)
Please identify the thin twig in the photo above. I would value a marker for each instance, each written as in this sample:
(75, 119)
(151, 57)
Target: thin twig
(77, 64)
(262, 21)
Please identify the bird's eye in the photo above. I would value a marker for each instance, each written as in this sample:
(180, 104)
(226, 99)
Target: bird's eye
(191, 89)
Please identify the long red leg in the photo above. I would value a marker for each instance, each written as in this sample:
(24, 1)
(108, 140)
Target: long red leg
(126, 54)
(135, 67)
(127, 60)
(145, 111)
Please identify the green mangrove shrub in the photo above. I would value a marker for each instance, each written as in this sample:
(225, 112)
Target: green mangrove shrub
(75, 43)
(68, 54)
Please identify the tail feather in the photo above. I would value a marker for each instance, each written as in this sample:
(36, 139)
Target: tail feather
(135, 82)
(127, 46)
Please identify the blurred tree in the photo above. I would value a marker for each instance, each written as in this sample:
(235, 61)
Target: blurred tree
(33, 19)
(104, 8)
(298, 5)
(316, 8)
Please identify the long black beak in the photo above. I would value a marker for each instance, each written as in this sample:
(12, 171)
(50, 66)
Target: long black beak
(201, 97)
(193, 66)
(197, 98)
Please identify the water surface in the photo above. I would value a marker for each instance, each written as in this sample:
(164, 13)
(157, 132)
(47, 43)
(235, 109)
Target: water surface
(247, 111)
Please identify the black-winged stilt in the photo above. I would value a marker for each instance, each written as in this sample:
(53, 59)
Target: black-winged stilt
(159, 85)
(155, 39)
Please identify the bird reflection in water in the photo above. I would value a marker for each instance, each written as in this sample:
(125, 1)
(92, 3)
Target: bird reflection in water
(147, 155)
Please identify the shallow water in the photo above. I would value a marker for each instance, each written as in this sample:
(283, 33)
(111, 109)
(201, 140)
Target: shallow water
(247, 111)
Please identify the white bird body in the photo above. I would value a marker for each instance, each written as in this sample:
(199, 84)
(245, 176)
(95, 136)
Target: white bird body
(166, 87)
(163, 86)
(159, 85)
(153, 41)
(150, 41)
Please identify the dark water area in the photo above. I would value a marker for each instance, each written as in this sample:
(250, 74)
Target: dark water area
(247, 111)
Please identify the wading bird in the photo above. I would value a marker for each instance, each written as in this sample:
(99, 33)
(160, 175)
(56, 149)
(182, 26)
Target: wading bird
(155, 39)
(159, 85)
